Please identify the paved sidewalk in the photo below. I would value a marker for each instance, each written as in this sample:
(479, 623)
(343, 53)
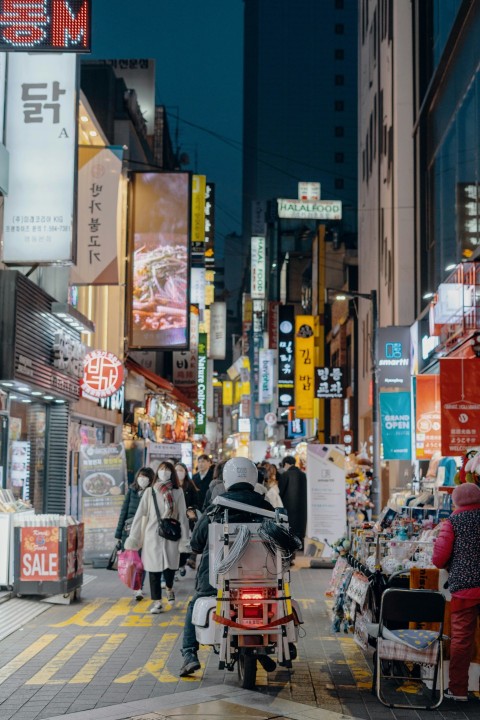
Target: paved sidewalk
(98, 656)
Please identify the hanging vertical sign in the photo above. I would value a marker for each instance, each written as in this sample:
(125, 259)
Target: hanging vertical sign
(304, 366)
(185, 363)
(99, 171)
(258, 268)
(41, 138)
(218, 330)
(265, 380)
(460, 404)
(428, 436)
(396, 425)
(201, 418)
(198, 208)
(286, 344)
(3, 66)
(209, 222)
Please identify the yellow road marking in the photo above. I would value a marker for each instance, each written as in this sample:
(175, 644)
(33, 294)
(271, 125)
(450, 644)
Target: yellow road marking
(356, 662)
(156, 662)
(80, 617)
(90, 669)
(119, 609)
(11, 667)
(44, 676)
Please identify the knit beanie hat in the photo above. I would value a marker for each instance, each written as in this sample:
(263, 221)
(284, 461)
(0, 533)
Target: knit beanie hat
(466, 494)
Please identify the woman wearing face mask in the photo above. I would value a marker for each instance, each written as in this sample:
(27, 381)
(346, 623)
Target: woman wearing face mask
(143, 480)
(160, 556)
(191, 492)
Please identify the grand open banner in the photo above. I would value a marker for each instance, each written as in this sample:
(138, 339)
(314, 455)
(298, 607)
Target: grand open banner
(159, 300)
(327, 506)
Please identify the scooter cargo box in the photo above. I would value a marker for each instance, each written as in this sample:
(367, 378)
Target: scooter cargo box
(255, 564)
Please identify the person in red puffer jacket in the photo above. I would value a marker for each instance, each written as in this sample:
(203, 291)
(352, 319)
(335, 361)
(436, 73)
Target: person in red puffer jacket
(457, 549)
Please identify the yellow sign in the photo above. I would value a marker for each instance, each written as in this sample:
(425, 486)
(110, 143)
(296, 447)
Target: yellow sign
(199, 183)
(227, 395)
(304, 366)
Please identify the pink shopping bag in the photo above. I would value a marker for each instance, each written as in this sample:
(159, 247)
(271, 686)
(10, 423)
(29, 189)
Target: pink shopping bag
(130, 569)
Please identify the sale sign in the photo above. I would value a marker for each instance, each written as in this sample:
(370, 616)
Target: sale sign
(428, 439)
(460, 404)
(39, 553)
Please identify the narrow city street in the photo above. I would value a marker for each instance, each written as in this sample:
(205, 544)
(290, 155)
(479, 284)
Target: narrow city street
(107, 650)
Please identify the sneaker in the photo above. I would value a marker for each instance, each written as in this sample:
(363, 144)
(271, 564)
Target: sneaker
(163, 585)
(448, 695)
(139, 595)
(191, 564)
(176, 578)
(190, 664)
(170, 596)
(157, 608)
(182, 572)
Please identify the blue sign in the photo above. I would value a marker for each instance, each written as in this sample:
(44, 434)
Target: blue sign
(395, 410)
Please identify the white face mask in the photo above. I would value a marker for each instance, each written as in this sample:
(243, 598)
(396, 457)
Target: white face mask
(164, 475)
(143, 481)
(181, 474)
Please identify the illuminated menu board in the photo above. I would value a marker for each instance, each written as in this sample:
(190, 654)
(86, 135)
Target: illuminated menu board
(45, 25)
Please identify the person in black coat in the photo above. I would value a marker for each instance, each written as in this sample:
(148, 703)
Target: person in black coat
(191, 493)
(240, 478)
(203, 477)
(143, 479)
(292, 486)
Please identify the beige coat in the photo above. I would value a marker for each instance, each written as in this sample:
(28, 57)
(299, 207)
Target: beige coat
(157, 553)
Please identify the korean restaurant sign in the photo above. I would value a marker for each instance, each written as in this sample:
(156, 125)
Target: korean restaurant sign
(185, 362)
(427, 416)
(258, 248)
(99, 171)
(46, 25)
(40, 134)
(286, 345)
(198, 208)
(329, 383)
(310, 209)
(218, 330)
(394, 357)
(102, 374)
(460, 404)
(304, 366)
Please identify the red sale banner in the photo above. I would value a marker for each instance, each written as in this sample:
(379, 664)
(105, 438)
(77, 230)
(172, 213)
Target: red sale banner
(427, 416)
(460, 403)
(39, 553)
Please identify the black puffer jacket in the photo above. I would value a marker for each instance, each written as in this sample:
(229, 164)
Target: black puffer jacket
(241, 492)
(129, 508)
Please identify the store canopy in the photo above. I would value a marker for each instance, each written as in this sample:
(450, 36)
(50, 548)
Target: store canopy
(161, 383)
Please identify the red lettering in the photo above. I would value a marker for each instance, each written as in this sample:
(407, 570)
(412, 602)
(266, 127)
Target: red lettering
(69, 29)
(24, 36)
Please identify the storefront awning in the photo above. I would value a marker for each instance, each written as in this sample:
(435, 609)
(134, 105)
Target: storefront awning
(161, 383)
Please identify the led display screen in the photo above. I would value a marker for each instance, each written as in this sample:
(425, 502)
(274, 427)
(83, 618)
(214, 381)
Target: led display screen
(48, 25)
(160, 240)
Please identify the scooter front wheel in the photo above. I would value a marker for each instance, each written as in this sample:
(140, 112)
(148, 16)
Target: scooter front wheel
(247, 670)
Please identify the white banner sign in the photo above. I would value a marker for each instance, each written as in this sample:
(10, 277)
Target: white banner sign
(310, 209)
(185, 363)
(99, 171)
(197, 287)
(3, 61)
(258, 267)
(41, 139)
(327, 504)
(265, 376)
(218, 331)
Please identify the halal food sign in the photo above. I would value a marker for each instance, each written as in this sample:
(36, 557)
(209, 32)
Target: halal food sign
(51, 25)
(102, 374)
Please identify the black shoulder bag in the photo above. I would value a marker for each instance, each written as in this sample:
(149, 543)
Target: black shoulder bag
(168, 528)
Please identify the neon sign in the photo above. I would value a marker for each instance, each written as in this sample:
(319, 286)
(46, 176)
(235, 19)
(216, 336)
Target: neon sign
(48, 25)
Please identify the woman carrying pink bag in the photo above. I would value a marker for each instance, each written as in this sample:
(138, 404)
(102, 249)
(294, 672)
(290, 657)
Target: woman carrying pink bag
(130, 569)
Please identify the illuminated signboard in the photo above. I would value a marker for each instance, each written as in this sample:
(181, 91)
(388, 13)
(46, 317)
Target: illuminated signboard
(159, 303)
(47, 25)
(102, 374)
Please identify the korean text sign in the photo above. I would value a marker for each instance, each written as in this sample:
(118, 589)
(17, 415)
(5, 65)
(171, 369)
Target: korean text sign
(428, 438)
(286, 355)
(41, 140)
(304, 366)
(329, 383)
(45, 25)
(396, 425)
(460, 403)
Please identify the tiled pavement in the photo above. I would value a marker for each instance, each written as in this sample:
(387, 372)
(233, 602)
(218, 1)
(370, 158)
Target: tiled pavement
(99, 656)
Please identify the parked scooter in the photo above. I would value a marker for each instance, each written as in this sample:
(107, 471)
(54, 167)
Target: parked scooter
(253, 617)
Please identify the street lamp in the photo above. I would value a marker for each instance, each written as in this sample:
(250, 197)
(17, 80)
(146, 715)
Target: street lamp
(372, 297)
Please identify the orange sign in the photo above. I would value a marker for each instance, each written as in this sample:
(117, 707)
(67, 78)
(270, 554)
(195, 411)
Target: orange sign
(428, 436)
(39, 553)
(102, 374)
(304, 366)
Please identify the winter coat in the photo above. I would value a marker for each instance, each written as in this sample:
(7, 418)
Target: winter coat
(242, 492)
(457, 548)
(215, 488)
(191, 501)
(157, 553)
(293, 492)
(273, 496)
(129, 508)
(202, 485)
